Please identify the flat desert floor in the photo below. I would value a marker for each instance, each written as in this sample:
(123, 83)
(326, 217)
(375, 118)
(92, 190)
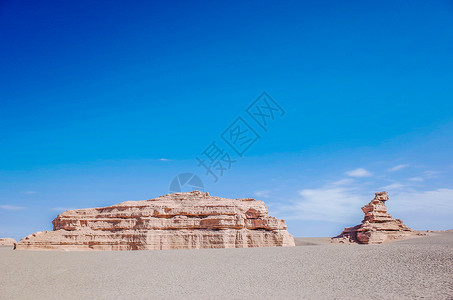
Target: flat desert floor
(417, 268)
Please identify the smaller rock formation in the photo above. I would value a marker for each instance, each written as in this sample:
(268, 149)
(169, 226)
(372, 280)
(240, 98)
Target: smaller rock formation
(7, 242)
(377, 226)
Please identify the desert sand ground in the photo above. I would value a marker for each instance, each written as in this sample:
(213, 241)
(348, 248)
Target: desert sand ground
(315, 269)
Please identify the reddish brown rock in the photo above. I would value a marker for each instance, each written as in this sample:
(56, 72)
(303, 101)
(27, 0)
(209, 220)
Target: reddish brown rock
(377, 226)
(175, 221)
(7, 242)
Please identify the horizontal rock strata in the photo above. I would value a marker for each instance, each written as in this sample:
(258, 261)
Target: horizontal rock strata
(377, 227)
(175, 221)
(7, 242)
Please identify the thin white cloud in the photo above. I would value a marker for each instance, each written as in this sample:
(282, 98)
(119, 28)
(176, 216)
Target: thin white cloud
(423, 210)
(165, 159)
(360, 172)
(345, 181)
(393, 186)
(61, 209)
(419, 179)
(418, 209)
(11, 207)
(340, 202)
(330, 203)
(432, 173)
(262, 194)
(398, 167)
(424, 201)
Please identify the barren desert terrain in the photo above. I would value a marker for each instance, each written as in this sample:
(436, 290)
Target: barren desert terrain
(416, 268)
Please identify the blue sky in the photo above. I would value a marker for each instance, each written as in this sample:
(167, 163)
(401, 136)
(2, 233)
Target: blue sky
(106, 102)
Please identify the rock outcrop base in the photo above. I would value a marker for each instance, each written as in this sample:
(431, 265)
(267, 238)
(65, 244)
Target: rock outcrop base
(377, 227)
(191, 220)
(7, 242)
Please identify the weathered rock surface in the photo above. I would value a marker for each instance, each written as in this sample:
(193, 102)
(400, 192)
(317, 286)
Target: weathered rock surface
(175, 221)
(7, 242)
(377, 226)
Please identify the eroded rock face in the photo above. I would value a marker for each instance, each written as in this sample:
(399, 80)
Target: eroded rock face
(7, 242)
(377, 226)
(175, 221)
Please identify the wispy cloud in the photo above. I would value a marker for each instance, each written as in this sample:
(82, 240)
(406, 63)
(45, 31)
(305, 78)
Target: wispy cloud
(11, 207)
(423, 210)
(393, 186)
(337, 202)
(165, 159)
(419, 179)
(345, 181)
(440, 200)
(398, 167)
(360, 172)
(431, 173)
(262, 194)
(30, 192)
(61, 209)
(326, 204)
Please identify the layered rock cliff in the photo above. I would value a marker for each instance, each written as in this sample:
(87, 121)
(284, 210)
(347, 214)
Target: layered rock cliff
(377, 227)
(7, 242)
(175, 221)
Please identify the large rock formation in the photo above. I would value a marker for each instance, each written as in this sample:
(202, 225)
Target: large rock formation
(175, 221)
(7, 242)
(377, 226)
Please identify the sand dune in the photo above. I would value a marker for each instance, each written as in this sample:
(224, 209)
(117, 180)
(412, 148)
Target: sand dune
(421, 267)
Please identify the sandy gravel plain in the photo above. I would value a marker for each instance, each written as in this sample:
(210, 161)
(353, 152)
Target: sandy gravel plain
(315, 269)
